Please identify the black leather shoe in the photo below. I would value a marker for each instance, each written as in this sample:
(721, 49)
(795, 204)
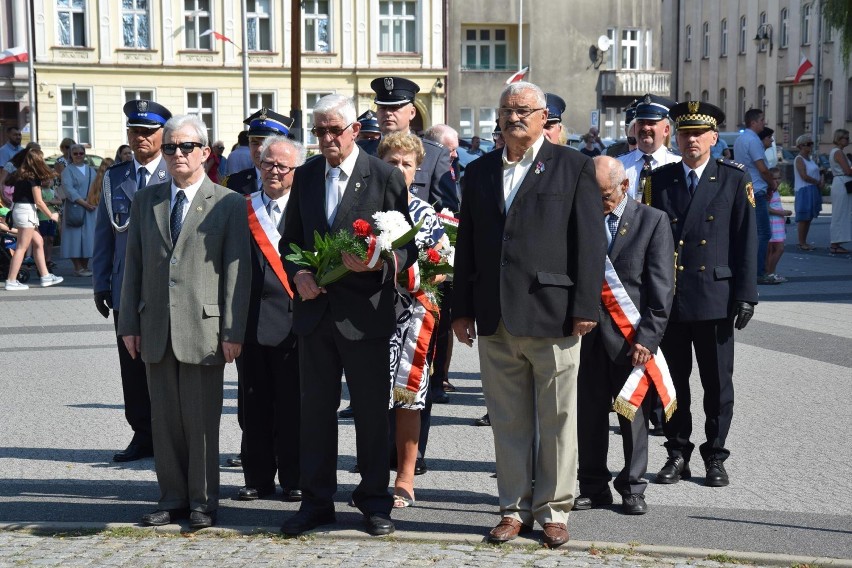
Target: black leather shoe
(235, 462)
(634, 504)
(162, 517)
(199, 520)
(585, 502)
(716, 474)
(292, 495)
(253, 493)
(420, 466)
(346, 412)
(656, 431)
(134, 452)
(378, 524)
(676, 468)
(303, 521)
(441, 398)
(484, 421)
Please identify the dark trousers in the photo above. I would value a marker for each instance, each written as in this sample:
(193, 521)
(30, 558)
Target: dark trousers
(323, 355)
(599, 381)
(271, 403)
(134, 384)
(714, 350)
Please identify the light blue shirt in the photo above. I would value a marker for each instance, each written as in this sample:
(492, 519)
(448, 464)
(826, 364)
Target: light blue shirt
(7, 152)
(748, 149)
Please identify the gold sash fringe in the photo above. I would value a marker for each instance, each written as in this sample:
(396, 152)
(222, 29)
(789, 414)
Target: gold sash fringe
(403, 395)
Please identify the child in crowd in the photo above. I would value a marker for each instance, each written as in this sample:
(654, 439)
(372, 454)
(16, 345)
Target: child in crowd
(777, 222)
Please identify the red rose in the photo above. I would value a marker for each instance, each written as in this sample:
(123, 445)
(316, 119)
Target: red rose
(433, 256)
(362, 228)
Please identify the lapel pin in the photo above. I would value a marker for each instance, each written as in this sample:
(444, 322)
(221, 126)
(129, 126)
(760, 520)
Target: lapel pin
(713, 178)
(623, 231)
(161, 174)
(199, 208)
(357, 185)
(127, 173)
(539, 167)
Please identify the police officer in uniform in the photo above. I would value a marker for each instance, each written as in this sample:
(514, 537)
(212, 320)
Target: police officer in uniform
(395, 102)
(369, 126)
(710, 204)
(145, 120)
(263, 123)
(553, 129)
(653, 132)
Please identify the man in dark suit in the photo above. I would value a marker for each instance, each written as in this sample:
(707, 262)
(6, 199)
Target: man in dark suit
(145, 120)
(641, 252)
(710, 204)
(528, 276)
(346, 326)
(265, 122)
(269, 377)
(187, 268)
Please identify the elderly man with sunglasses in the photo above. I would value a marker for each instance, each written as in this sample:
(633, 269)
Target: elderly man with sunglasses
(187, 270)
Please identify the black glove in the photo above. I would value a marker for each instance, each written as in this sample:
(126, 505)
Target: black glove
(103, 302)
(741, 314)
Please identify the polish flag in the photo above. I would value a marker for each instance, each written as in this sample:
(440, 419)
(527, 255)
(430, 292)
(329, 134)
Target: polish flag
(519, 76)
(14, 55)
(217, 35)
(803, 68)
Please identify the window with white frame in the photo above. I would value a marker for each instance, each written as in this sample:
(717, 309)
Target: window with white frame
(485, 48)
(135, 28)
(784, 28)
(723, 100)
(148, 95)
(649, 50)
(75, 115)
(201, 104)
(258, 101)
(71, 22)
(612, 36)
(196, 18)
(705, 40)
(310, 102)
(487, 121)
(743, 34)
(688, 40)
(761, 26)
(315, 19)
(827, 98)
(723, 38)
(397, 26)
(741, 104)
(806, 24)
(465, 122)
(630, 49)
(259, 25)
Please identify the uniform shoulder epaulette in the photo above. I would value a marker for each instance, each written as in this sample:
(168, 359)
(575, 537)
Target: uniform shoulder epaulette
(730, 164)
(120, 164)
(432, 142)
(665, 167)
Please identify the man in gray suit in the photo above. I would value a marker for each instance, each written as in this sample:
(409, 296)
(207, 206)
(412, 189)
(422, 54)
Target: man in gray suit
(185, 295)
(641, 250)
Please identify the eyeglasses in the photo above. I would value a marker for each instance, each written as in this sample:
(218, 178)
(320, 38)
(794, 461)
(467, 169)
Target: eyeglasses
(78, 153)
(279, 168)
(185, 148)
(219, 147)
(335, 131)
(807, 144)
(522, 113)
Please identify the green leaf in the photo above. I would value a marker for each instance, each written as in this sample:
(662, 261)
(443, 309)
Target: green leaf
(333, 275)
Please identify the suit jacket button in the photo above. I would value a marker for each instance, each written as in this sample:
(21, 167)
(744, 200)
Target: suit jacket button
(703, 242)
(710, 218)
(505, 237)
(174, 261)
(171, 283)
(680, 268)
(700, 269)
(674, 220)
(504, 262)
(680, 243)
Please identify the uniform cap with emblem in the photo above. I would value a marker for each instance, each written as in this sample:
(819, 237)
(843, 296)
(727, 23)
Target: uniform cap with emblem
(696, 115)
(555, 107)
(630, 112)
(369, 123)
(146, 114)
(394, 90)
(653, 107)
(267, 122)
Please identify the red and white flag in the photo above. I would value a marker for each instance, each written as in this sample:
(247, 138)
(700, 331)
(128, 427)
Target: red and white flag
(14, 55)
(217, 35)
(803, 68)
(519, 76)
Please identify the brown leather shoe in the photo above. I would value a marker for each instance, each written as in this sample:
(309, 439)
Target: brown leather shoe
(507, 529)
(555, 534)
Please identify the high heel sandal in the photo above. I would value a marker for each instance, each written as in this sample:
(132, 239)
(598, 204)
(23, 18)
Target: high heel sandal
(837, 249)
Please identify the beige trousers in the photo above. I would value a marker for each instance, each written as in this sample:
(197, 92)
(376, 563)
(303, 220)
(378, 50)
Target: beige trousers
(529, 380)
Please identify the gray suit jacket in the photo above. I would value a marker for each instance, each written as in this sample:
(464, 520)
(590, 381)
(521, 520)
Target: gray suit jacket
(643, 257)
(196, 292)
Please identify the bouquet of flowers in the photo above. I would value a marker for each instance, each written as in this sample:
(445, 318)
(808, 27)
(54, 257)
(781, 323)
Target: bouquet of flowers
(430, 263)
(393, 229)
(450, 224)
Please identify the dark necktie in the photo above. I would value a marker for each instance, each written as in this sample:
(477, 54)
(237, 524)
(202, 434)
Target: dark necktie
(693, 182)
(612, 225)
(141, 178)
(176, 220)
(643, 175)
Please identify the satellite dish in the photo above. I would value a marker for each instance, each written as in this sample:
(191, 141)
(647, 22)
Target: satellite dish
(604, 43)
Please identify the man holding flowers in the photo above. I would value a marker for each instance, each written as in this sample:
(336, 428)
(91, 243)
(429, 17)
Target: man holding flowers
(345, 326)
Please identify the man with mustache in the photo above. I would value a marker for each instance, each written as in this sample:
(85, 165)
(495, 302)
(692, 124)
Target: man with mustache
(652, 136)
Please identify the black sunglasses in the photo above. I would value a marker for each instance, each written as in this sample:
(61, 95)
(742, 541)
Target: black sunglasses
(335, 131)
(185, 147)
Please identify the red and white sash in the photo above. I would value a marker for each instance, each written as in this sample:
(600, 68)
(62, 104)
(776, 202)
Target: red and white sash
(625, 315)
(266, 235)
(412, 370)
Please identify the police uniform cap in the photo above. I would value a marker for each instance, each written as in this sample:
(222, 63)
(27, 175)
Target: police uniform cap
(555, 107)
(369, 122)
(630, 112)
(653, 107)
(266, 122)
(394, 90)
(696, 115)
(146, 114)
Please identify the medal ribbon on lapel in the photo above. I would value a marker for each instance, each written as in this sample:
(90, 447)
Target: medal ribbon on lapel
(265, 234)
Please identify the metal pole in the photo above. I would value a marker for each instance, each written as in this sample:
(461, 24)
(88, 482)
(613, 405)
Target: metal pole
(31, 73)
(816, 130)
(74, 114)
(298, 130)
(246, 93)
(521, 36)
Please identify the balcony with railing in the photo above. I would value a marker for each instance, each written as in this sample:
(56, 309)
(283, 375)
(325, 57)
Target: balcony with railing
(627, 83)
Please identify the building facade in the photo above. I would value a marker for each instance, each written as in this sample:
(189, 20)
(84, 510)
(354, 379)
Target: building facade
(93, 55)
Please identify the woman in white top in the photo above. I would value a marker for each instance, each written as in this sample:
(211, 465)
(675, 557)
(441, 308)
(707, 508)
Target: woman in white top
(841, 204)
(807, 183)
(78, 241)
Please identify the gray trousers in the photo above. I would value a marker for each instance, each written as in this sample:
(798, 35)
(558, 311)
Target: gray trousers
(186, 408)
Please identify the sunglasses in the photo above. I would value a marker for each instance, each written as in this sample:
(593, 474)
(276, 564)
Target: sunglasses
(185, 148)
(78, 153)
(808, 144)
(335, 131)
(280, 168)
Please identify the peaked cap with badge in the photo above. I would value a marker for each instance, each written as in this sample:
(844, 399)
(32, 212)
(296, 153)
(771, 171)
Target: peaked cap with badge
(143, 113)
(555, 107)
(696, 115)
(369, 122)
(267, 122)
(653, 107)
(394, 90)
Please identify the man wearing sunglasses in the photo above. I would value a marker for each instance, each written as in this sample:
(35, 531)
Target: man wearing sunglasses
(145, 120)
(265, 122)
(187, 269)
